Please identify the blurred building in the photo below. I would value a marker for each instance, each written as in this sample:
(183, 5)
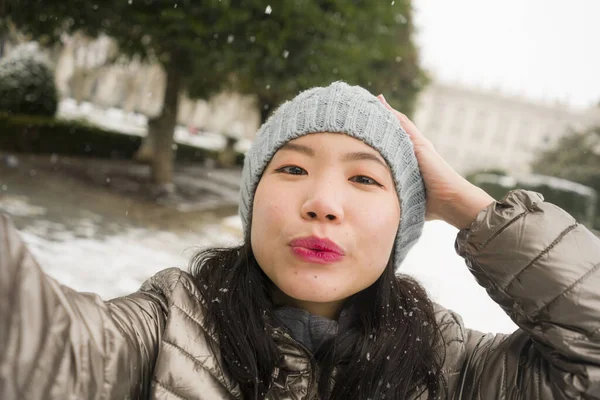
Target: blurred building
(472, 128)
(475, 129)
(91, 70)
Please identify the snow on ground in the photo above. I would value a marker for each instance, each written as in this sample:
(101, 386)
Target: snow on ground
(434, 262)
(116, 265)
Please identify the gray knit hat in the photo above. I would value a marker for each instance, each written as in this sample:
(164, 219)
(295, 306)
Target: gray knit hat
(352, 110)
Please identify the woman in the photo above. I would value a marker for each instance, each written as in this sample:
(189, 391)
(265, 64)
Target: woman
(332, 199)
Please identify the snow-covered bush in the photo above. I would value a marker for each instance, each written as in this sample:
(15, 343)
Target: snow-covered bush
(27, 83)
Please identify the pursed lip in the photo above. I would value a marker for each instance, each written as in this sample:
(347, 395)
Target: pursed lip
(318, 244)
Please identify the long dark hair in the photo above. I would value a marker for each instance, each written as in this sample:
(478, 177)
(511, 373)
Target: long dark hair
(392, 349)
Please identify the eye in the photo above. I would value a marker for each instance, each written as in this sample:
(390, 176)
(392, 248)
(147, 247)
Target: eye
(365, 180)
(292, 170)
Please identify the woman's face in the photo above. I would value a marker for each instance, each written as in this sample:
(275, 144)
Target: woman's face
(324, 220)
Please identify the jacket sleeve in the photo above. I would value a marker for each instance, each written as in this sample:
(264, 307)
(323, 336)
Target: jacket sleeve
(543, 269)
(57, 343)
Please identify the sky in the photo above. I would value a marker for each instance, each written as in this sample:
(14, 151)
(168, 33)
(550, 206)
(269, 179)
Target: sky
(541, 49)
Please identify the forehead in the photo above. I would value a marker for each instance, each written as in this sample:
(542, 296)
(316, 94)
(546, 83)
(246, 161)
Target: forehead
(334, 146)
(327, 142)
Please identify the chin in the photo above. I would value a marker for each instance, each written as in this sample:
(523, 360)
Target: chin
(315, 291)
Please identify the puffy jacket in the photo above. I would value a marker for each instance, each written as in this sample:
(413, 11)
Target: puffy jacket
(534, 260)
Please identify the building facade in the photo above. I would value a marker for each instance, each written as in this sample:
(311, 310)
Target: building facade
(474, 129)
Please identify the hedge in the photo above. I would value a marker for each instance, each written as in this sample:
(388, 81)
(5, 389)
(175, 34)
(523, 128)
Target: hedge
(45, 135)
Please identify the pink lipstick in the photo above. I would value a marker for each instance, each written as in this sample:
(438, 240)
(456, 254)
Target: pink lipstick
(315, 250)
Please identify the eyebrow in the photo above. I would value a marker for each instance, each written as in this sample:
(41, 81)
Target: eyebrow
(299, 148)
(362, 155)
(352, 156)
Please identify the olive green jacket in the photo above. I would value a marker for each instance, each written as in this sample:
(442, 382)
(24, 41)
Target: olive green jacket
(534, 260)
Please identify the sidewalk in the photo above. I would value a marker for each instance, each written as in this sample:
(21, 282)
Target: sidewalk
(197, 187)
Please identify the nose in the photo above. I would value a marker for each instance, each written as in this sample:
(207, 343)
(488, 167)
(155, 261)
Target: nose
(323, 203)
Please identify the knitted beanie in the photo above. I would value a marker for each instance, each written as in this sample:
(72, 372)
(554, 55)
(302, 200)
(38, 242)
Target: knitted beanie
(352, 110)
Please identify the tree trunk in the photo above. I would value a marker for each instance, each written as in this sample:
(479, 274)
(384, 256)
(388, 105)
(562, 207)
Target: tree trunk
(162, 162)
(145, 153)
(227, 157)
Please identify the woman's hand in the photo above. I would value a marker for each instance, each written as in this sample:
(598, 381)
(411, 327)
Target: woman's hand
(450, 197)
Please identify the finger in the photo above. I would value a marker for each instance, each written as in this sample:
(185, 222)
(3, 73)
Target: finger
(411, 128)
(406, 123)
(396, 113)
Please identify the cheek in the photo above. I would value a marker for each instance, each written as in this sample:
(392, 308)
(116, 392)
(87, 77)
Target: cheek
(271, 212)
(270, 206)
(379, 226)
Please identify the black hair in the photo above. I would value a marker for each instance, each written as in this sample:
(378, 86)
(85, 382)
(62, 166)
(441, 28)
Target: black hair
(391, 350)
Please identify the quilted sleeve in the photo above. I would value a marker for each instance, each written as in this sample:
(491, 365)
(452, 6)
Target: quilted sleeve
(56, 343)
(543, 269)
